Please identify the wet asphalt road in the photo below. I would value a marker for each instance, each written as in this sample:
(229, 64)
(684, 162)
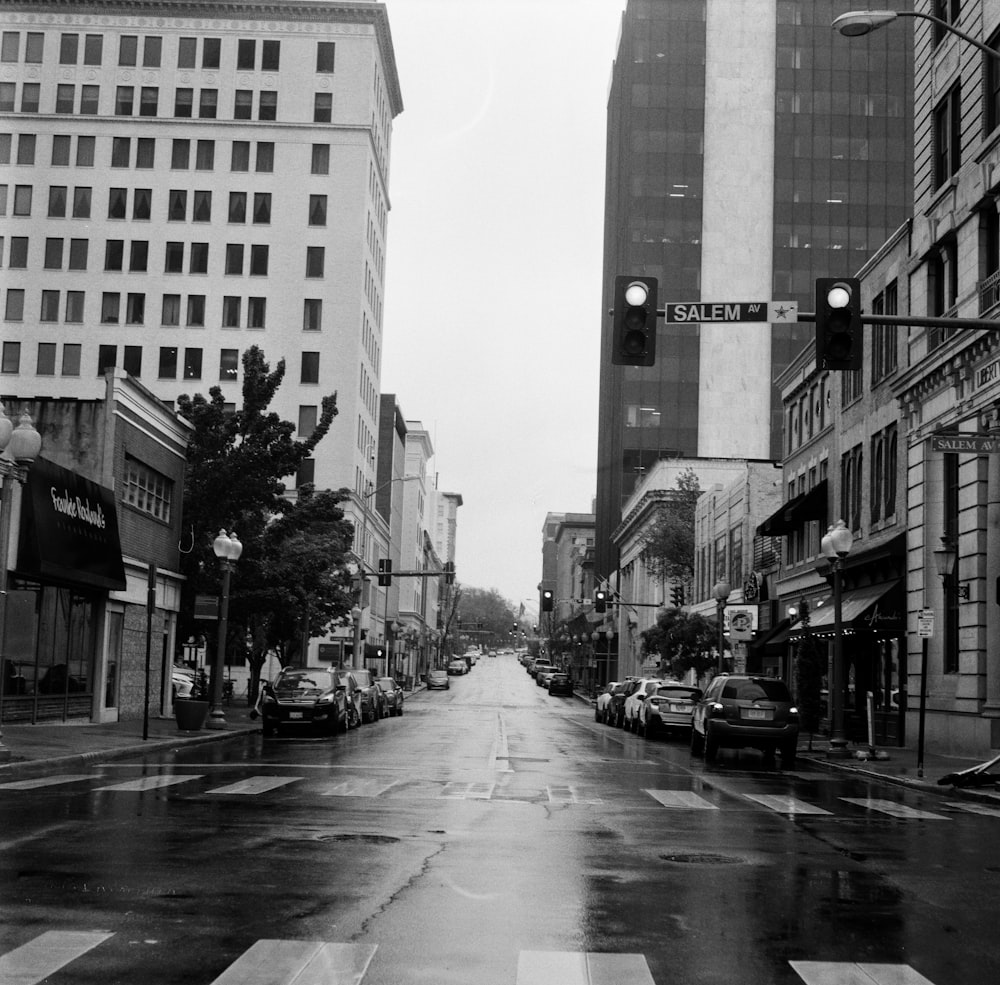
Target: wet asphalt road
(491, 835)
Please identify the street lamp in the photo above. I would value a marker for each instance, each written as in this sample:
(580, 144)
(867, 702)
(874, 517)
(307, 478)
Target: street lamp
(857, 22)
(227, 549)
(944, 562)
(19, 447)
(835, 546)
(721, 592)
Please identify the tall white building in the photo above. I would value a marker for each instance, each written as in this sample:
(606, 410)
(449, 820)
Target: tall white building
(182, 180)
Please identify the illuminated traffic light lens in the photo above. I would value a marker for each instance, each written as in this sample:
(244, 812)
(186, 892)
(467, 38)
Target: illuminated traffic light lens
(838, 296)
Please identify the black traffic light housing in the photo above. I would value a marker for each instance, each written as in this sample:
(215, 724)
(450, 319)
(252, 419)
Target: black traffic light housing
(677, 596)
(838, 323)
(449, 572)
(600, 600)
(547, 600)
(384, 571)
(634, 321)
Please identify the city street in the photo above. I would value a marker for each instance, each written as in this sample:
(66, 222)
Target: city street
(491, 835)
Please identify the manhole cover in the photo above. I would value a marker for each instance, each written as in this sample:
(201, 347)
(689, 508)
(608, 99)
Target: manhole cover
(702, 858)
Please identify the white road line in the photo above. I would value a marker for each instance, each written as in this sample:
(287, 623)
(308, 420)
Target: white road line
(581, 968)
(46, 781)
(152, 782)
(893, 809)
(850, 973)
(43, 956)
(786, 805)
(977, 809)
(255, 784)
(681, 799)
(359, 787)
(467, 791)
(571, 794)
(499, 758)
(273, 962)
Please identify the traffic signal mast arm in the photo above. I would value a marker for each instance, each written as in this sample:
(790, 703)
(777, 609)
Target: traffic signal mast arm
(918, 321)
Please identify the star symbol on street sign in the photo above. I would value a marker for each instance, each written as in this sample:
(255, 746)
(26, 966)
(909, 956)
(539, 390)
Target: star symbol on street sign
(782, 312)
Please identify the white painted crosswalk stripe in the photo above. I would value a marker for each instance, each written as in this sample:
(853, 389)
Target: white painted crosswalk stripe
(571, 794)
(46, 781)
(281, 962)
(43, 956)
(254, 785)
(787, 805)
(359, 787)
(983, 809)
(682, 799)
(467, 791)
(152, 782)
(894, 809)
(850, 973)
(581, 968)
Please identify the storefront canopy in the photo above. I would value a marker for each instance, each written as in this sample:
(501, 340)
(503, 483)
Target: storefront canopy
(880, 608)
(790, 516)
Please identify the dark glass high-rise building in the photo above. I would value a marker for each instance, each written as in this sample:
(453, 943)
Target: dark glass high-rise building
(750, 150)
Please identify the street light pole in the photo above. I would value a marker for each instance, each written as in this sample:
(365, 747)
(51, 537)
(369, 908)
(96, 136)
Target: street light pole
(228, 549)
(855, 23)
(19, 447)
(721, 592)
(835, 546)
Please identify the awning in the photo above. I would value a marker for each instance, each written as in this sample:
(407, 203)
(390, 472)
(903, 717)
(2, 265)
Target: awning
(809, 505)
(881, 608)
(69, 530)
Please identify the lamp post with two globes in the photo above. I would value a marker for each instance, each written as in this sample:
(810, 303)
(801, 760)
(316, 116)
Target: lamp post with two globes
(721, 591)
(227, 549)
(835, 546)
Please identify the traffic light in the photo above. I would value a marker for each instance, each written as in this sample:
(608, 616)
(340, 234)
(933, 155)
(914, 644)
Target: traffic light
(677, 596)
(547, 600)
(600, 600)
(449, 572)
(384, 571)
(634, 321)
(838, 323)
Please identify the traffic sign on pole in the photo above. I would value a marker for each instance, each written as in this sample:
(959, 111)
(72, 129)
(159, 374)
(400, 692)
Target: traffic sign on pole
(730, 311)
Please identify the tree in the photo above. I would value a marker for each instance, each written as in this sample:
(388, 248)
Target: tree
(236, 462)
(683, 641)
(489, 612)
(668, 549)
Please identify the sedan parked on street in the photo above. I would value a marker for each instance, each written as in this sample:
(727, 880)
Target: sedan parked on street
(603, 701)
(616, 709)
(372, 699)
(301, 697)
(742, 711)
(669, 709)
(634, 698)
(458, 666)
(560, 683)
(393, 695)
(438, 680)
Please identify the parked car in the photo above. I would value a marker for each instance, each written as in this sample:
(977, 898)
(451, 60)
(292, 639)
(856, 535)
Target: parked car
(603, 701)
(669, 708)
(393, 695)
(616, 710)
(438, 679)
(742, 711)
(634, 698)
(458, 666)
(543, 675)
(309, 696)
(539, 663)
(560, 683)
(372, 699)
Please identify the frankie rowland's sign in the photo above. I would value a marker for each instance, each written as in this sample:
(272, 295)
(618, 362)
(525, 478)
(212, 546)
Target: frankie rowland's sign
(69, 530)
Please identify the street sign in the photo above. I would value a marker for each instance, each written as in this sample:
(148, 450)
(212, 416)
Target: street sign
(731, 311)
(972, 444)
(925, 623)
(740, 621)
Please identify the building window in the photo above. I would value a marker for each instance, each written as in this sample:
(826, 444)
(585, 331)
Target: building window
(89, 101)
(30, 95)
(171, 313)
(124, 99)
(107, 358)
(14, 307)
(312, 315)
(208, 104)
(168, 362)
(310, 368)
(948, 136)
(50, 306)
(265, 157)
(211, 50)
(71, 359)
(317, 210)
(323, 107)
(121, 152)
(74, 307)
(262, 208)
(18, 259)
(65, 98)
(187, 51)
(110, 305)
(270, 56)
(237, 206)
(138, 256)
(306, 474)
(93, 49)
(180, 155)
(174, 263)
(243, 107)
(258, 260)
(81, 202)
(53, 253)
(46, 365)
(192, 364)
(256, 312)
(325, 52)
(950, 531)
(942, 288)
(132, 360)
(152, 51)
(128, 47)
(196, 311)
(308, 416)
(231, 312)
(149, 101)
(78, 249)
(234, 258)
(60, 151)
(267, 108)
(320, 158)
(198, 258)
(314, 261)
(851, 487)
(114, 251)
(116, 203)
(69, 45)
(246, 54)
(176, 205)
(240, 159)
(205, 155)
(11, 360)
(147, 490)
(229, 364)
(135, 309)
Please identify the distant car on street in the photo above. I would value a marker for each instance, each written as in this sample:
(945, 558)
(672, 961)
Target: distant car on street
(438, 680)
(560, 683)
(543, 674)
(604, 701)
(458, 666)
(393, 695)
(538, 664)
(636, 695)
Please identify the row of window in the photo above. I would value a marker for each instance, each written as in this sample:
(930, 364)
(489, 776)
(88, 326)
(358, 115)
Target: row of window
(133, 51)
(171, 360)
(144, 101)
(236, 312)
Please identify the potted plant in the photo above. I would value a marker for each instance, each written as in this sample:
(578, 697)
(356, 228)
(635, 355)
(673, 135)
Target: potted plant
(192, 709)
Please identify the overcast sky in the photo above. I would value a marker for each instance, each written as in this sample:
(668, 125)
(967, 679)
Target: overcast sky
(493, 263)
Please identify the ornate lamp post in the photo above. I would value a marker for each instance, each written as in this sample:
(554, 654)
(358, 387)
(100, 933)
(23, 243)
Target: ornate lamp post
(721, 592)
(19, 447)
(835, 546)
(228, 549)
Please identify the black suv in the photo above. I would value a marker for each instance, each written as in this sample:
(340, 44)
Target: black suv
(738, 710)
(372, 698)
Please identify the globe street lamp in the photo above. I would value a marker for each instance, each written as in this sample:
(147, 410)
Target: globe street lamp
(228, 549)
(19, 447)
(835, 546)
(855, 23)
(721, 592)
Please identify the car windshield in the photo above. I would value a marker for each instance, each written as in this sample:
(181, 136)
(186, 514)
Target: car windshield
(756, 689)
(363, 677)
(387, 682)
(437, 673)
(675, 693)
(306, 681)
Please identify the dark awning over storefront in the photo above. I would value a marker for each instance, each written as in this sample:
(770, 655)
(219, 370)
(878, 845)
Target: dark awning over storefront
(881, 608)
(809, 505)
(69, 530)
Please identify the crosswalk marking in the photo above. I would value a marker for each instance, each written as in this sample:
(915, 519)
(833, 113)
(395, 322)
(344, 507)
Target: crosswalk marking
(787, 805)
(851, 973)
(254, 785)
(684, 799)
(43, 956)
(894, 809)
(152, 782)
(571, 794)
(977, 809)
(281, 962)
(46, 781)
(359, 787)
(581, 968)
(467, 791)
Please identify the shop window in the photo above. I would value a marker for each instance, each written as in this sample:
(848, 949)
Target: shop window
(147, 490)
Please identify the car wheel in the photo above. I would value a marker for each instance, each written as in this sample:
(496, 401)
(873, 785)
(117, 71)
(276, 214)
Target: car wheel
(711, 747)
(788, 753)
(697, 743)
(651, 728)
(597, 715)
(269, 730)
